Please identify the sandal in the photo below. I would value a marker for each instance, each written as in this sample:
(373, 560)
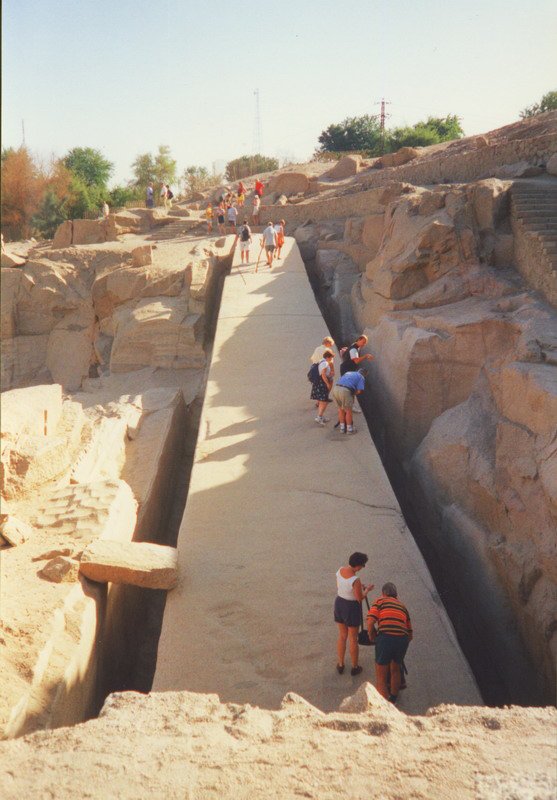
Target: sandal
(340, 668)
(356, 670)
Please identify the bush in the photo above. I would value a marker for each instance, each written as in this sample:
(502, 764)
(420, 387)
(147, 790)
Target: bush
(249, 165)
(547, 103)
(197, 179)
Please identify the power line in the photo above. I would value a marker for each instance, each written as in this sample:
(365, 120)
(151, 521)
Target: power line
(382, 117)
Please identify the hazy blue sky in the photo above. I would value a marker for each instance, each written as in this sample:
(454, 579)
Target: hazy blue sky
(127, 75)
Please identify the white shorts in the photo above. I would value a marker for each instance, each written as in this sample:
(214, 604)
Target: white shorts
(244, 247)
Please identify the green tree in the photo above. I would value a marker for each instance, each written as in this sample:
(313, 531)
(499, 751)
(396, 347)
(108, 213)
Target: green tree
(197, 179)
(547, 103)
(51, 213)
(160, 168)
(422, 134)
(353, 133)
(249, 165)
(89, 166)
(120, 195)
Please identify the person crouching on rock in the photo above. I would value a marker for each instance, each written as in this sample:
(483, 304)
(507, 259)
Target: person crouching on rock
(348, 610)
(394, 632)
(323, 385)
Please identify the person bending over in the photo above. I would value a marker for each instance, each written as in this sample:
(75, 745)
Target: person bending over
(390, 620)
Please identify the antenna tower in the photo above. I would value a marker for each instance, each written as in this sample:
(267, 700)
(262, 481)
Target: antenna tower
(257, 124)
(382, 117)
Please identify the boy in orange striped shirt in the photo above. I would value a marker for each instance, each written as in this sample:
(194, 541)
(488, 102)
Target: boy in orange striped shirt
(392, 637)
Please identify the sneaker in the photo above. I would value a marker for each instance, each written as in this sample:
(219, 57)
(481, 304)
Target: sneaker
(342, 429)
(319, 420)
(356, 670)
(351, 430)
(325, 419)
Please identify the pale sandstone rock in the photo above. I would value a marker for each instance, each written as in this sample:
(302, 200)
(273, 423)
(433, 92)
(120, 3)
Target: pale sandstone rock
(125, 283)
(521, 169)
(101, 509)
(288, 183)
(11, 260)
(345, 167)
(91, 231)
(282, 200)
(157, 333)
(23, 361)
(53, 553)
(27, 411)
(60, 570)
(142, 256)
(368, 700)
(13, 530)
(70, 348)
(151, 566)
(527, 394)
(63, 236)
(9, 284)
(551, 165)
(490, 202)
(372, 233)
(401, 156)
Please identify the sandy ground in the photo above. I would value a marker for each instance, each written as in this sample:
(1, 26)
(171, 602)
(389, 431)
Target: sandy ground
(181, 746)
(276, 505)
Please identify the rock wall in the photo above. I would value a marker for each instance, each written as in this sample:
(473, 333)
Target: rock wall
(73, 313)
(462, 399)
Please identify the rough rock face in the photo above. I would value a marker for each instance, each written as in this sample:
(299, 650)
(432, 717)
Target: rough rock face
(463, 399)
(141, 745)
(64, 309)
(345, 167)
(288, 183)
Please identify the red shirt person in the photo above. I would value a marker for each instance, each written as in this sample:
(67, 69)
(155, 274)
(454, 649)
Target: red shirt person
(259, 186)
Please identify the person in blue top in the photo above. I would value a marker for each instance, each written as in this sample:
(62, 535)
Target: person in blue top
(344, 391)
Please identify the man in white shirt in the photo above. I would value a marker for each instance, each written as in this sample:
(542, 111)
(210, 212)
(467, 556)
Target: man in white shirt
(256, 209)
(232, 214)
(270, 242)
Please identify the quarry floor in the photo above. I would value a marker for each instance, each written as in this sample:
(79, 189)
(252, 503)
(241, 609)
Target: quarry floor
(276, 504)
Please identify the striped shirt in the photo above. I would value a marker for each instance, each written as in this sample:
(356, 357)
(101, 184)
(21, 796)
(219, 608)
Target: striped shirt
(390, 616)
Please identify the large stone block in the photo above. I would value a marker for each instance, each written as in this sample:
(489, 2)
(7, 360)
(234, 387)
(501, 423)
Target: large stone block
(527, 394)
(157, 333)
(29, 411)
(63, 236)
(345, 167)
(9, 287)
(91, 231)
(151, 566)
(289, 183)
(70, 349)
(126, 283)
(24, 361)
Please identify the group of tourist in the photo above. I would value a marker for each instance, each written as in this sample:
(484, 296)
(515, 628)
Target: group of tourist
(388, 622)
(166, 196)
(388, 627)
(350, 384)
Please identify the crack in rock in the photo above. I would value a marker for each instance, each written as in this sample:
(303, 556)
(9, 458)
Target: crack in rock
(351, 499)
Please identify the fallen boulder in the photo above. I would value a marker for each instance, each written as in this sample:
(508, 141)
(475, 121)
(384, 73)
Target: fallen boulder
(345, 167)
(151, 566)
(13, 530)
(60, 570)
(289, 183)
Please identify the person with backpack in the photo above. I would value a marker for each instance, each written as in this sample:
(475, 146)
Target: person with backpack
(351, 357)
(321, 377)
(169, 196)
(245, 241)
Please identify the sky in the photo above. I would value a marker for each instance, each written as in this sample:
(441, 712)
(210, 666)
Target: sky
(124, 76)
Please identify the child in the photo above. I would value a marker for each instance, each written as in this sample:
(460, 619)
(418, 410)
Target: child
(279, 228)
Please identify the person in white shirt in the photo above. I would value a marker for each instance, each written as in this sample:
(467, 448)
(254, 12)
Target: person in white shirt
(269, 241)
(231, 215)
(256, 209)
(327, 344)
(106, 210)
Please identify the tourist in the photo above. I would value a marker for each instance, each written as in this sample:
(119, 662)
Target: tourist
(232, 215)
(220, 217)
(348, 609)
(258, 188)
(392, 637)
(345, 390)
(279, 228)
(162, 194)
(150, 199)
(209, 218)
(322, 386)
(269, 241)
(327, 344)
(241, 194)
(169, 196)
(256, 209)
(105, 210)
(245, 241)
(351, 355)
